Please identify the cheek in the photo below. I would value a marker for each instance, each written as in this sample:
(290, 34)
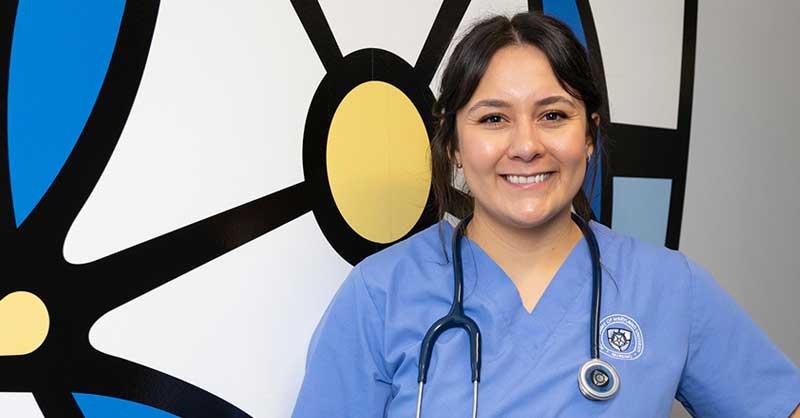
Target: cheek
(570, 152)
(573, 157)
(479, 152)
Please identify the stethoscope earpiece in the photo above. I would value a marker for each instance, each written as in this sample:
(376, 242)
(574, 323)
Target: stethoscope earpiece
(598, 380)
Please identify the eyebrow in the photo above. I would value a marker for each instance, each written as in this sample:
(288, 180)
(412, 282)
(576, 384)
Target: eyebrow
(489, 103)
(555, 99)
(503, 104)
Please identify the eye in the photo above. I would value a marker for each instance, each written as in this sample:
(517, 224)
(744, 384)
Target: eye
(492, 119)
(553, 116)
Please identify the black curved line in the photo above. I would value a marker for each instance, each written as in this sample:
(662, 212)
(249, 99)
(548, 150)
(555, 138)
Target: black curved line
(7, 19)
(536, 6)
(319, 32)
(135, 271)
(687, 67)
(57, 403)
(598, 73)
(684, 122)
(102, 374)
(52, 217)
(444, 28)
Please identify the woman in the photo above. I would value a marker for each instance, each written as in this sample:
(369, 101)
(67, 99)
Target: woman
(519, 115)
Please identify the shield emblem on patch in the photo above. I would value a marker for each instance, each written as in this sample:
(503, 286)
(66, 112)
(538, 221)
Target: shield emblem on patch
(619, 338)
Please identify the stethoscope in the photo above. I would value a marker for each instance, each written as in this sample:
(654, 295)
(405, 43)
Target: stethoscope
(597, 379)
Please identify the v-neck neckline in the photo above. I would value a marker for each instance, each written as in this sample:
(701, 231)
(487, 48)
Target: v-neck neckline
(531, 330)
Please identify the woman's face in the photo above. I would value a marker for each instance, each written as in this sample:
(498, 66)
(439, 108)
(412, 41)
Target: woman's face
(522, 140)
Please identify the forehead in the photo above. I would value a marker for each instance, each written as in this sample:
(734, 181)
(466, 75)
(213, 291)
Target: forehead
(518, 72)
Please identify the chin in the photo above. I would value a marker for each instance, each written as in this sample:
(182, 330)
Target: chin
(530, 220)
(533, 218)
(523, 215)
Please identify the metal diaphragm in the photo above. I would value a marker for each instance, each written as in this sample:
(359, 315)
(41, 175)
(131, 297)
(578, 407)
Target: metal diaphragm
(598, 380)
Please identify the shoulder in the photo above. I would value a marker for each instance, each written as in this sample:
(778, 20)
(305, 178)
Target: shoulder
(408, 265)
(655, 286)
(424, 247)
(628, 259)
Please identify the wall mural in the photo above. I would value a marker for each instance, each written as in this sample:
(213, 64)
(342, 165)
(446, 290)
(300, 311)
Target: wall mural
(53, 152)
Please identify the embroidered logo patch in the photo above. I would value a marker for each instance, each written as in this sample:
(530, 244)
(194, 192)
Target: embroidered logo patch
(621, 337)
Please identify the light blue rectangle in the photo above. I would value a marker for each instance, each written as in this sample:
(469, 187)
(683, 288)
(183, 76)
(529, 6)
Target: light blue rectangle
(641, 208)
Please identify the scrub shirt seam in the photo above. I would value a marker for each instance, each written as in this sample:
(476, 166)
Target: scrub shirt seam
(611, 274)
(489, 301)
(605, 237)
(470, 244)
(571, 305)
(378, 368)
(568, 308)
(690, 286)
(485, 298)
(779, 408)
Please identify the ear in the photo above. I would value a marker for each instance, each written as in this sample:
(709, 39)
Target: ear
(589, 139)
(456, 155)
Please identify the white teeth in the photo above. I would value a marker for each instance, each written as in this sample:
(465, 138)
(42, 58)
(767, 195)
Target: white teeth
(528, 179)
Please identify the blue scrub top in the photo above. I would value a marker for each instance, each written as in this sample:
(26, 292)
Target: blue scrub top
(666, 326)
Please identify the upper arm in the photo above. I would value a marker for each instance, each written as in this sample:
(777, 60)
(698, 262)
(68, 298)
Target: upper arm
(345, 374)
(732, 368)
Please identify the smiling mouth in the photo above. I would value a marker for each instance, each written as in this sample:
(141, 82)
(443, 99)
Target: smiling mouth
(527, 179)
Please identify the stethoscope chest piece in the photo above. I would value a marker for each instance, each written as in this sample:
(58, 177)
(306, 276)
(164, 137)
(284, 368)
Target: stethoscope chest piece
(598, 380)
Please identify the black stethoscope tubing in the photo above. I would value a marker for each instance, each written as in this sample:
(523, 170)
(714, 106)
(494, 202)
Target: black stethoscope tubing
(597, 379)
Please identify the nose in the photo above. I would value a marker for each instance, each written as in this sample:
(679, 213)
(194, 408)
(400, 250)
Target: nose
(525, 142)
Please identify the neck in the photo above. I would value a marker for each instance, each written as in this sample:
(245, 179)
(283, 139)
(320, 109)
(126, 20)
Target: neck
(559, 232)
(530, 256)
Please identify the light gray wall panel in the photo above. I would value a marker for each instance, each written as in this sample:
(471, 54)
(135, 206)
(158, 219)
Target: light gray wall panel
(742, 205)
(641, 45)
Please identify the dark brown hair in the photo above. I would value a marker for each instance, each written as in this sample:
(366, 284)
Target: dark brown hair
(466, 67)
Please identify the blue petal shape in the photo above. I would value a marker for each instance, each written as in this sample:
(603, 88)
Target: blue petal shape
(593, 187)
(567, 12)
(98, 406)
(59, 57)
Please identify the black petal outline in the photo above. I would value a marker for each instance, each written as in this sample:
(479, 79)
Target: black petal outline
(57, 403)
(319, 32)
(50, 220)
(444, 28)
(7, 224)
(143, 267)
(118, 378)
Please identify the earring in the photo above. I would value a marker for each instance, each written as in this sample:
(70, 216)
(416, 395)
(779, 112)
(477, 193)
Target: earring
(459, 165)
